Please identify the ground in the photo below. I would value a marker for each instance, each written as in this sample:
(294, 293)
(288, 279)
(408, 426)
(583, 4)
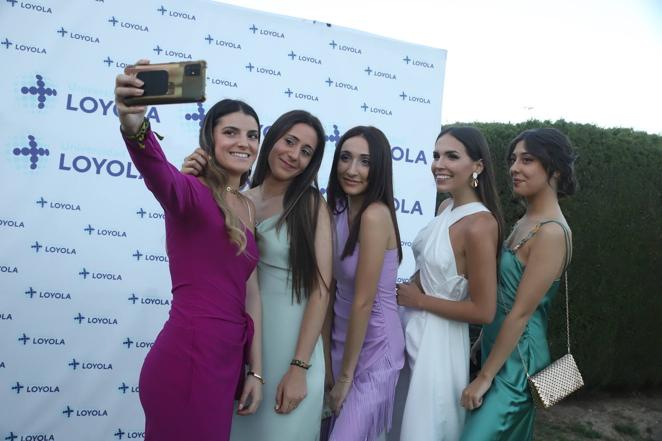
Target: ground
(608, 417)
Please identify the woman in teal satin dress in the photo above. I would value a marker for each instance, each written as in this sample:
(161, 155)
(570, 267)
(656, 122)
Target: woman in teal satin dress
(532, 261)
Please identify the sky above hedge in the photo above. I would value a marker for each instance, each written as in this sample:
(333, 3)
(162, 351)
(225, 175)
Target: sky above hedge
(587, 61)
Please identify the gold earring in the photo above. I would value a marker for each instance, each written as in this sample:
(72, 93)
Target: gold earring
(474, 180)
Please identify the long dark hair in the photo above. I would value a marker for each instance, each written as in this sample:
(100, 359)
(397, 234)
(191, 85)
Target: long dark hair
(554, 151)
(478, 150)
(301, 203)
(380, 183)
(214, 174)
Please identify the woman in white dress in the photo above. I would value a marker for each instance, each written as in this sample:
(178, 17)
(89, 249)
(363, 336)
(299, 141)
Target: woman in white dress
(454, 284)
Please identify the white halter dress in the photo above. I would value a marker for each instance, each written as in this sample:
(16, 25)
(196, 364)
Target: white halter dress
(437, 348)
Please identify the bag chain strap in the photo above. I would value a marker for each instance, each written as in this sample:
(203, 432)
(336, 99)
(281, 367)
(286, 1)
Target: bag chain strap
(567, 305)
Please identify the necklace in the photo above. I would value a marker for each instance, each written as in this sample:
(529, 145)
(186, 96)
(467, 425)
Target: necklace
(229, 189)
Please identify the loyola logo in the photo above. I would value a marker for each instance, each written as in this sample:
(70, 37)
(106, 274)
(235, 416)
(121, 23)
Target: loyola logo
(40, 90)
(33, 152)
(120, 434)
(199, 116)
(84, 412)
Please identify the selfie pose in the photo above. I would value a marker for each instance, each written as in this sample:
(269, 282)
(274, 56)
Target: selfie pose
(192, 372)
(532, 261)
(366, 341)
(294, 271)
(454, 284)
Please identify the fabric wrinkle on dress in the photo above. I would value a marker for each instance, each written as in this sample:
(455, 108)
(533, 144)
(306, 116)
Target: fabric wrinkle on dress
(437, 348)
(367, 410)
(192, 372)
(281, 323)
(508, 412)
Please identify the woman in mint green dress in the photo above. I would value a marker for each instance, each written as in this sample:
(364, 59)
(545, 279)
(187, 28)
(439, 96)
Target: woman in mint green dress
(532, 261)
(293, 234)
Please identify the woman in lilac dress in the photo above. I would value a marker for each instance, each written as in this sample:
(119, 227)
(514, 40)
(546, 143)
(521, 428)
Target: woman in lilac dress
(191, 374)
(367, 343)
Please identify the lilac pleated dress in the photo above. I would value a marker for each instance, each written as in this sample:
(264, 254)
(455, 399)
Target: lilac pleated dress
(368, 408)
(189, 378)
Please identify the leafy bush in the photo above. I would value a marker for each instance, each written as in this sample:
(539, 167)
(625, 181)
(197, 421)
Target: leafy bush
(615, 278)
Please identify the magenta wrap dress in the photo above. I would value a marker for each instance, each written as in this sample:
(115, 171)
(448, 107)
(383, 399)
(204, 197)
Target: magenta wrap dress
(189, 378)
(368, 408)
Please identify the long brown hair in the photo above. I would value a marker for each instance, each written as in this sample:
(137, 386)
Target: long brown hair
(301, 203)
(478, 150)
(380, 183)
(213, 173)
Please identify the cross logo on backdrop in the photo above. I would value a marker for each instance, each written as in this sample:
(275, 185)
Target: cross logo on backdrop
(39, 90)
(199, 116)
(18, 387)
(33, 152)
(336, 135)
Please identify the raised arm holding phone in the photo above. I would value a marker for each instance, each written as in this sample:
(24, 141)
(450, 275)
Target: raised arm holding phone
(194, 369)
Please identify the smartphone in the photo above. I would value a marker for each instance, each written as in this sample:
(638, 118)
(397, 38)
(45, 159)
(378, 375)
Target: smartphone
(170, 83)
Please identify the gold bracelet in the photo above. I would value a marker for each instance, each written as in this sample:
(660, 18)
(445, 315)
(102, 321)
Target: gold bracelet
(253, 374)
(301, 364)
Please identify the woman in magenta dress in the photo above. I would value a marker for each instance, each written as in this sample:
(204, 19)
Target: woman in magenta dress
(294, 238)
(191, 374)
(367, 343)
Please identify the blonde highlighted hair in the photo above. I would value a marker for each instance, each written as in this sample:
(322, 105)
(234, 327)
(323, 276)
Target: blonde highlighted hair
(216, 177)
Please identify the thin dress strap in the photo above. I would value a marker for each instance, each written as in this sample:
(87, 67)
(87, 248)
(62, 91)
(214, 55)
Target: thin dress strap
(528, 236)
(536, 228)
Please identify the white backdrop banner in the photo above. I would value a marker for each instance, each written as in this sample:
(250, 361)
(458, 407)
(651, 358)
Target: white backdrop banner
(84, 283)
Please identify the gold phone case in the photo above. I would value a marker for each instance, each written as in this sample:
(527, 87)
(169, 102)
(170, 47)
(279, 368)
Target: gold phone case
(170, 83)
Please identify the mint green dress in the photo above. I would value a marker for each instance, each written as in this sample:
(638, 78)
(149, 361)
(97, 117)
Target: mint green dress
(281, 321)
(508, 412)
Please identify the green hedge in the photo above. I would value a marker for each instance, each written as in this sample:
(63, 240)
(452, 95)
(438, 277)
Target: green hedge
(615, 278)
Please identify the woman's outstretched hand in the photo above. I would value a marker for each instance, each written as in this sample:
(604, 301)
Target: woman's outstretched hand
(128, 85)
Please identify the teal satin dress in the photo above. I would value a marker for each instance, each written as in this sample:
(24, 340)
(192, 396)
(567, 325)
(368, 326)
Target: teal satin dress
(508, 412)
